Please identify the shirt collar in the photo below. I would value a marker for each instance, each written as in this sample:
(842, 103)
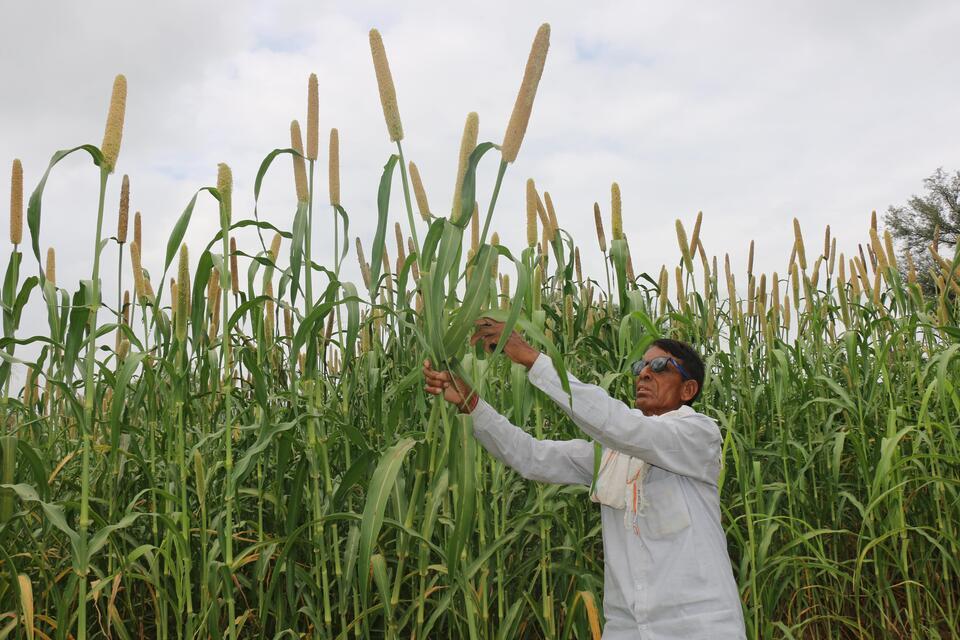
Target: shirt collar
(682, 410)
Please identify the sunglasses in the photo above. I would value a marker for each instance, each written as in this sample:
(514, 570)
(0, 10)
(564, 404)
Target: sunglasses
(658, 365)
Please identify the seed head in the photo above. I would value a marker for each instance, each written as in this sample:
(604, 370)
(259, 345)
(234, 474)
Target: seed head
(568, 312)
(911, 269)
(576, 264)
(775, 295)
(554, 226)
(468, 141)
(151, 297)
(681, 297)
(798, 241)
(420, 193)
(126, 307)
(287, 322)
(520, 117)
(138, 289)
(213, 287)
(275, 247)
(124, 214)
(225, 189)
(313, 117)
(388, 94)
(401, 253)
(333, 169)
(16, 203)
(137, 237)
(684, 246)
(416, 268)
(234, 272)
(864, 277)
(877, 247)
(531, 213)
(299, 166)
(269, 311)
(364, 267)
(873, 220)
(114, 130)
(750, 260)
(663, 286)
(826, 242)
(544, 217)
(50, 274)
(616, 215)
(601, 237)
(183, 293)
(537, 286)
(854, 279)
(888, 243)
(695, 238)
(731, 282)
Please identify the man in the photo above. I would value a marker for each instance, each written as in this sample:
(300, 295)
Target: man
(667, 571)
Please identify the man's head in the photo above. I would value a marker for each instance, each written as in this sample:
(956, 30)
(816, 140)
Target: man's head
(671, 375)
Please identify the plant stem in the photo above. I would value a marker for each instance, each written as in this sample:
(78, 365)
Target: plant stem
(87, 427)
(493, 201)
(226, 389)
(406, 199)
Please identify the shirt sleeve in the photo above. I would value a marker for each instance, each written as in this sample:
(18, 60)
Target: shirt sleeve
(551, 461)
(688, 445)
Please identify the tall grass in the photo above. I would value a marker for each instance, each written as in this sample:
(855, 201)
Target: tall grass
(215, 475)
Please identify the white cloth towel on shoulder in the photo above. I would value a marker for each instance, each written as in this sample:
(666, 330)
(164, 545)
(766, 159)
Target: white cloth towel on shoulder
(620, 482)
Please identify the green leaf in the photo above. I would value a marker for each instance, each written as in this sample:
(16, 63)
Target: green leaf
(379, 490)
(296, 249)
(379, 238)
(36, 198)
(176, 236)
(468, 193)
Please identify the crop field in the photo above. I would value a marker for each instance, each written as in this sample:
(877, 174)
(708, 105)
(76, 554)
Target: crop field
(237, 443)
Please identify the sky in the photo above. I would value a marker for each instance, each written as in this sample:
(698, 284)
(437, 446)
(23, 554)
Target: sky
(753, 113)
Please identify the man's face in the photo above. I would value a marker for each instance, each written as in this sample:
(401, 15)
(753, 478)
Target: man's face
(657, 393)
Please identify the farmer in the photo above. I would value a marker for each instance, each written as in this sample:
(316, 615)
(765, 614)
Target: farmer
(667, 572)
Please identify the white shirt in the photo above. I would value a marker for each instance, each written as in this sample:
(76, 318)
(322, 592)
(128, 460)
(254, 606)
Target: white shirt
(672, 579)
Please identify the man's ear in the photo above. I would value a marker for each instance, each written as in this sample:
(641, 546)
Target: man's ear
(688, 390)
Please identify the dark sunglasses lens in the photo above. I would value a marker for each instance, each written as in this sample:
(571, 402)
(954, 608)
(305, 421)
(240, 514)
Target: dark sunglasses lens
(657, 365)
(638, 366)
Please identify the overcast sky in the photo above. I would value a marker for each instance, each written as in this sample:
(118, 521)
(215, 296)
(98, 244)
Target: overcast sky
(754, 113)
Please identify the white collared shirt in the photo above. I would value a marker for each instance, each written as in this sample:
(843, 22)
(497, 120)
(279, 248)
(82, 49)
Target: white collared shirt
(671, 579)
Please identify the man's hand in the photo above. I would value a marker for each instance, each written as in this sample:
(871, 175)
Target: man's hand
(488, 332)
(454, 390)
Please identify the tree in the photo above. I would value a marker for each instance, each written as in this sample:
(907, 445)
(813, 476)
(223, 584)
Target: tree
(932, 218)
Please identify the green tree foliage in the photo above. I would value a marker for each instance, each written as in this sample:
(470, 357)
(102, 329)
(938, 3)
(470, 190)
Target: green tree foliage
(932, 218)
